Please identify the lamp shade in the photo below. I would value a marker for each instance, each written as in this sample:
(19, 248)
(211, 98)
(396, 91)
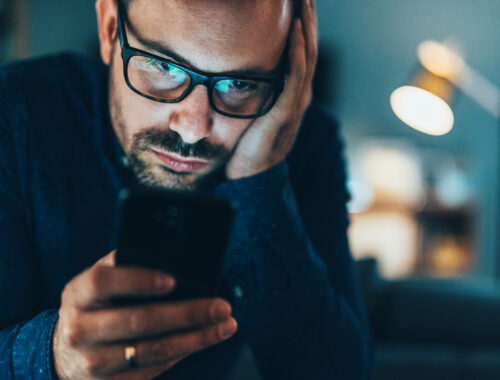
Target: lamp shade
(425, 104)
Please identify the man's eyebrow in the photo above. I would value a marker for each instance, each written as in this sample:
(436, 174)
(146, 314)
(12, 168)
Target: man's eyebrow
(170, 54)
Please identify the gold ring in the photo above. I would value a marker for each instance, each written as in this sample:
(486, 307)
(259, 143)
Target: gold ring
(130, 356)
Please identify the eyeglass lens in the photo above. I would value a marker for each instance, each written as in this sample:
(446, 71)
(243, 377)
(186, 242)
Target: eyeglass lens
(163, 81)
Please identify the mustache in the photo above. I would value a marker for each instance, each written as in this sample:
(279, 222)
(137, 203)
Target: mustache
(171, 141)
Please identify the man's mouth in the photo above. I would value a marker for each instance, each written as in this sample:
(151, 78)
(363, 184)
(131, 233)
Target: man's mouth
(178, 163)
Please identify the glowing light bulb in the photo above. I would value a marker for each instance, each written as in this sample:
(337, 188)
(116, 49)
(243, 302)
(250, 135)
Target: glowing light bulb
(422, 110)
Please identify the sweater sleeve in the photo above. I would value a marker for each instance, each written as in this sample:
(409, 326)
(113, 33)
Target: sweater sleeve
(295, 298)
(25, 348)
(25, 334)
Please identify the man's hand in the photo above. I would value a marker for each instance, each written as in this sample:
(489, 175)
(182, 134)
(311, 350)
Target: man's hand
(90, 336)
(269, 139)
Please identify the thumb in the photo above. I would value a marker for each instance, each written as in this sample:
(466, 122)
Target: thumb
(108, 260)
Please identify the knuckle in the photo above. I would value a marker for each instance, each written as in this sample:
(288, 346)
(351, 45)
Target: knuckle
(67, 293)
(210, 336)
(137, 321)
(92, 365)
(197, 313)
(94, 282)
(73, 333)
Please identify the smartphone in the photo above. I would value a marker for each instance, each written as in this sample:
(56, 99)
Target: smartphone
(179, 233)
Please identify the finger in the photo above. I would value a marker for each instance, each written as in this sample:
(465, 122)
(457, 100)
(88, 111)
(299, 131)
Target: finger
(104, 360)
(131, 374)
(310, 25)
(184, 344)
(297, 70)
(297, 53)
(99, 283)
(108, 260)
(145, 373)
(110, 325)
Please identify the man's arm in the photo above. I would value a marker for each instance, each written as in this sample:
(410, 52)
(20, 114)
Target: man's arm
(290, 268)
(24, 347)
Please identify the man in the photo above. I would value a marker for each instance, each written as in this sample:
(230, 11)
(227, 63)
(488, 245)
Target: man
(194, 95)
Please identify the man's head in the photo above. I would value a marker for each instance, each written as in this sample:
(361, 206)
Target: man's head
(211, 36)
(296, 3)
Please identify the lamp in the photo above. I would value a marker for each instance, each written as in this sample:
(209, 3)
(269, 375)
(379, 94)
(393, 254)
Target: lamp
(425, 104)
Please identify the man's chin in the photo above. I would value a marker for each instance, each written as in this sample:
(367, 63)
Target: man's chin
(161, 177)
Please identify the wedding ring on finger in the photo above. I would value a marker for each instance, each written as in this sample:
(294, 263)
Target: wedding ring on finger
(131, 356)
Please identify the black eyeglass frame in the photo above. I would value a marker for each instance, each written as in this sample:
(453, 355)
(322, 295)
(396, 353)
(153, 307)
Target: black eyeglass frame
(197, 77)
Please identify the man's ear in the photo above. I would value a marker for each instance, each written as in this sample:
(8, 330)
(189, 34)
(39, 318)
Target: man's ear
(106, 25)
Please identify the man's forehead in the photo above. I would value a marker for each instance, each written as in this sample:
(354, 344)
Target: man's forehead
(215, 35)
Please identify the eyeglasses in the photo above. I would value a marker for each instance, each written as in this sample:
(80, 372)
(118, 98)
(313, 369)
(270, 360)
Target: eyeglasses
(162, 80)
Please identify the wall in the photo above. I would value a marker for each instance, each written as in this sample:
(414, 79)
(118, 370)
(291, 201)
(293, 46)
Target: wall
(374, 45)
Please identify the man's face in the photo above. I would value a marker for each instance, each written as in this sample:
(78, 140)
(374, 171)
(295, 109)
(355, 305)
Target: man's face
(216, 36)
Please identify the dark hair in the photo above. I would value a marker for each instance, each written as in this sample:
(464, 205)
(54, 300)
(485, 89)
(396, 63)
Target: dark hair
(296, 5)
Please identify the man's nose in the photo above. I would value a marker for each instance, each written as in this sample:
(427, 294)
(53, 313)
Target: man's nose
(192, 117)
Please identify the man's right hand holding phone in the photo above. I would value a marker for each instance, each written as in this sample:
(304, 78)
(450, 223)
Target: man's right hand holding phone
(91, 335)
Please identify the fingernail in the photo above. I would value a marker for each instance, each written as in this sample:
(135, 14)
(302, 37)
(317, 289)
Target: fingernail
(220, 311)
(165, 282)
(228, 328)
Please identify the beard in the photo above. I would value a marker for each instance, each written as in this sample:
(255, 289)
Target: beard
(153, 174)
(148, 171)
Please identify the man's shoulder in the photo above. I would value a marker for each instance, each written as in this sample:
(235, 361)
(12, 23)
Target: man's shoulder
(319, 117)
(319, 130)
(318, 150)
(48, 69)
(47, 82)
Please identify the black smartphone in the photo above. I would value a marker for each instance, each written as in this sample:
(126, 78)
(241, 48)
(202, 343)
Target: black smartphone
(183, 234)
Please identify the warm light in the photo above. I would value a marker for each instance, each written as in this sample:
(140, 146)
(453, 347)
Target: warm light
(422, 110)
(440, 60)
(449, 257)
(395, 176)
(390, 237)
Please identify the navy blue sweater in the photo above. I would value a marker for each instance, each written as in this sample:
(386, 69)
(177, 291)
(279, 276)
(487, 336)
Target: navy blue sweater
(61, 170)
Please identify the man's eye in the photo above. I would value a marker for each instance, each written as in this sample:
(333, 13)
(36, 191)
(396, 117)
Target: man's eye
(174, 73)
(166, 67)
(226, 86)
(240, 85)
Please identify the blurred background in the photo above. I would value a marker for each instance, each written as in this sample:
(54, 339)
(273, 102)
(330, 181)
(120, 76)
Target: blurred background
(425, 209)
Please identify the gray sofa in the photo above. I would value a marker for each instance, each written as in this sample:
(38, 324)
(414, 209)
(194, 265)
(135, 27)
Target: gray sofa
(430, 328)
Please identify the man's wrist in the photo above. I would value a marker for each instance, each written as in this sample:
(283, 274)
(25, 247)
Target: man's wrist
(51, 356)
